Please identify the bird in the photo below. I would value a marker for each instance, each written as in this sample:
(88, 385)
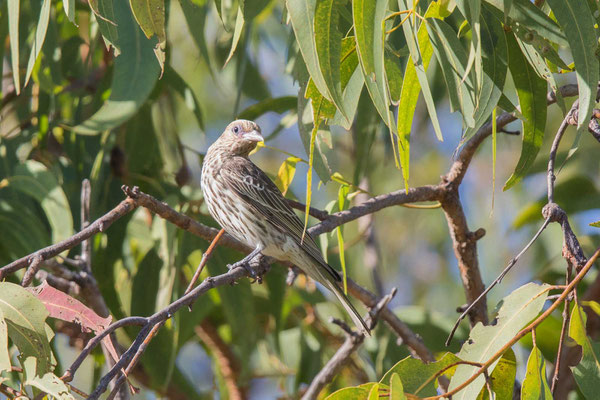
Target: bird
(250, 207)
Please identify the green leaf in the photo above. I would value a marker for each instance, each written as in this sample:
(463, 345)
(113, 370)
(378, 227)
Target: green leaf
(185, 91)
(302, 15)
(374, 392)
(411, 89)
(329, 49)
(47, 382)
(471, 10)
(25, 317)
(452, 58)
(587, 372)
(396, 388)
(13, 29)
(237, 34)
(417, 57)
(576, 19)
(414, 373)
(5, 364)
(527, 14)
(531, 90)
(252, 8)
(369, 29)
(150, 16)
(38, 40)
(34, 179)
(134, 76)
(595, 224)
(502, 380)
(105, 14)
(286, 173)
(494, 59)
(69, 6)
(516, 310)
(278, 105)
(535, 385)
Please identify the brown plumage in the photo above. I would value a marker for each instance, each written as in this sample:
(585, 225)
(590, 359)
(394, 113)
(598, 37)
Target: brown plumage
(248, 205)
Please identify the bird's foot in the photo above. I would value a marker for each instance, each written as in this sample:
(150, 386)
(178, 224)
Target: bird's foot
(255, 271)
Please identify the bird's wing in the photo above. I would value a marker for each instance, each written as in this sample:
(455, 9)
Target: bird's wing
(255, 187)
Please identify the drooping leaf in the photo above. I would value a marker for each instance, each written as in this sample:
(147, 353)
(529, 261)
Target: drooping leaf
(253, 7)
(502, 380)
(369, 29)
(25, 317)
(418, 59)
(516, 310)
(13, 29)
(135, 73)
(328, 42)
(107, 23)
(452, 58)
(577, 22)
(150, 16)
(411, 88)
(587, 371)
(471, 10)
(47, 382)
(38, 39)
(531, 90)
(237, 34)
(495, 66)
(302, 16)
(69, 7)
(33, 179)
(414, 373)
(535, 385)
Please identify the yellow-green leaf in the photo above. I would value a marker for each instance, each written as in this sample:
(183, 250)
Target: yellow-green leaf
(535, 385)
(286, 173)
(396, 389)
(150, 15)
(587, 371)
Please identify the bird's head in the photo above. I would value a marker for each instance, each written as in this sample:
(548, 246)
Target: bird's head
(241, 136)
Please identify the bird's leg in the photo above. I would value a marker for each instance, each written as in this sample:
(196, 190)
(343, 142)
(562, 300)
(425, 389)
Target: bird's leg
(245, 262)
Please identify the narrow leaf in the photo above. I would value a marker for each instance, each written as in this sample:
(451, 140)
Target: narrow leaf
(418, 59)
(302, 15)
(328, 41)
(69, 6)
(237, 34)
(13, 29)
(185, 91)
(577, 21)
(396, 388)
(286, 173)
(531, 90)
(38, 39)
(278, 105)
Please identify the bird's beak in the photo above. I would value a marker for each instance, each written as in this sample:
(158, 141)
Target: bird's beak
(253, 136)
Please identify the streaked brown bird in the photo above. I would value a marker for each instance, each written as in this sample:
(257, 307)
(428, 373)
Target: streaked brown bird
(248, 205)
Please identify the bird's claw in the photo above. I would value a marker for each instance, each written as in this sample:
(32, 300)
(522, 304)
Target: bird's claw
(246, 265)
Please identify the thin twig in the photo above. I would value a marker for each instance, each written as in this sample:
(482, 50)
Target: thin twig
(205, 257)
(563, 332)
(496, 281)
(553, 150)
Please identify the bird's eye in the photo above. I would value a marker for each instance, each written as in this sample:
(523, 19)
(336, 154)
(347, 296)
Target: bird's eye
(236, 129)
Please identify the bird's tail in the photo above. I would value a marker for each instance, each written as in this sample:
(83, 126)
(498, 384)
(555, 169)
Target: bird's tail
(356, 318)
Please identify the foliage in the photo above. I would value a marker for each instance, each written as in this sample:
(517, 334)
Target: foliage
(130, 92)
